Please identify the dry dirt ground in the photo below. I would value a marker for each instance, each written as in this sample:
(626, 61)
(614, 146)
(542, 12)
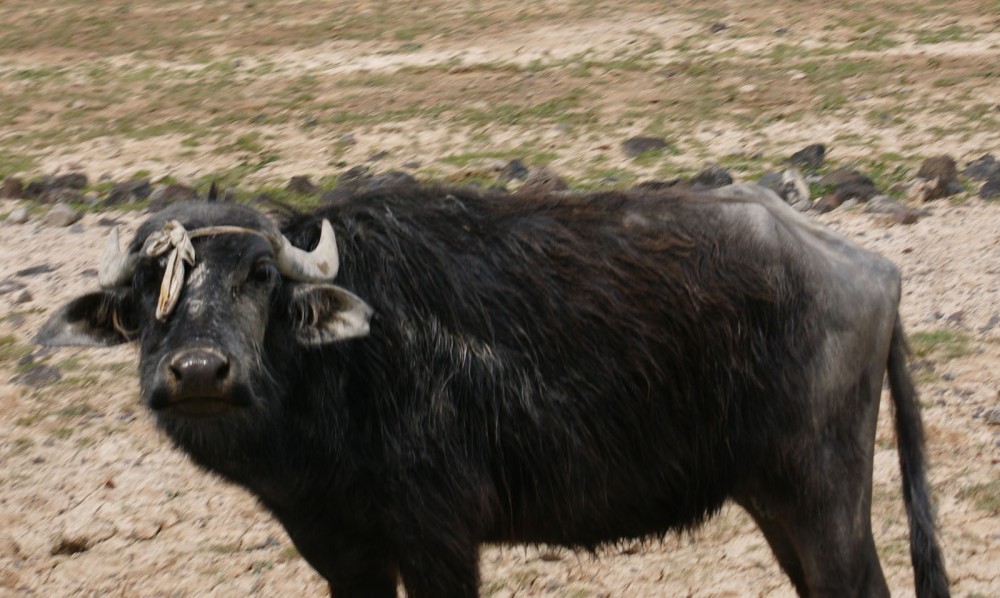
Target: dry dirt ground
(93, 501)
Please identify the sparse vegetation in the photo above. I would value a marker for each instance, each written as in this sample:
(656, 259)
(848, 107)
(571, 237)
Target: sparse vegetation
(943, 343)
(985, 496)
(12, 350)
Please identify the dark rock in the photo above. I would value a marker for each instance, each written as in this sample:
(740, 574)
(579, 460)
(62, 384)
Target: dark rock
(711, 177)
(513, 170)
(848, 183)
(391, 178)
(302, 185)
(991, 188)
(106, 222)
(844, 176)
(162, 196)
(827, 203)
(62, 215)
(858, 191)
(982, 168)
(377, 156)
(35, 188)
(938, 167)
(61, 195)
(942, 176)
(128, 192)
(353, 174)
(13, 188)
(809, 157)
(358, 179)
(35, 270)
(544, 179)
(718, 27)
(992, 416)
(24, 297)
(636, 146)
(10, 285)
(412, 164)
(173, 192)
(37, 376)
(73, 180)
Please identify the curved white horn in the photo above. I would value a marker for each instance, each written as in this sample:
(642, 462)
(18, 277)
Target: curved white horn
(115, 268)
(319, 265)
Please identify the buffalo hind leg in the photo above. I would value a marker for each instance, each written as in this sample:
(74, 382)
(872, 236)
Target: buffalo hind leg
(825, 550)
(781, 545)
(817, 520)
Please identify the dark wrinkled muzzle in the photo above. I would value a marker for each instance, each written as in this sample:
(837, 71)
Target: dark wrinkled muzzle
(196, 382)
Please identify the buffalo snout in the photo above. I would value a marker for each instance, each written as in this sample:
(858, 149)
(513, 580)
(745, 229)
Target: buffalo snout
(195, 382)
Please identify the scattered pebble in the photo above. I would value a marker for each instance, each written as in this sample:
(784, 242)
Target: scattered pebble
(62, 215)
(18, 216)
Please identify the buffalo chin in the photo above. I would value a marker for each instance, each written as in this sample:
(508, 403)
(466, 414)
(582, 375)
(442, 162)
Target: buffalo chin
(198, 407)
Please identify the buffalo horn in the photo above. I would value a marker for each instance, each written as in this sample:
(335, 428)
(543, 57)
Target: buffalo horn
(319, 265)
(116, 268)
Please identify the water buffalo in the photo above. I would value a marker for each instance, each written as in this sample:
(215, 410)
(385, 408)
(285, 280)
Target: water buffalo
(569, 369)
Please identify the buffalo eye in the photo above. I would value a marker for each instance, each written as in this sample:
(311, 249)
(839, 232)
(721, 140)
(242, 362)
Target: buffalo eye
(263, 272)
(149, 273)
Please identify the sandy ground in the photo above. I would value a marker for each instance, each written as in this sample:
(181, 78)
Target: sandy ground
(94, 502)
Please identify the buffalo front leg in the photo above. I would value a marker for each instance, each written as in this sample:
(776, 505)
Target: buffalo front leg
(441, 568)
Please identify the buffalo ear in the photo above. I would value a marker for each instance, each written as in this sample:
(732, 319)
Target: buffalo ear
(100, 319)
(324, 313)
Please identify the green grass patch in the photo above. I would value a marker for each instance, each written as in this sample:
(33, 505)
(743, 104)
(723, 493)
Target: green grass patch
(985, 496)
(12, 350)
(12, 163)
(21, 445)
(942, 343)
(951, 33)
(62, 433)
(79, 409)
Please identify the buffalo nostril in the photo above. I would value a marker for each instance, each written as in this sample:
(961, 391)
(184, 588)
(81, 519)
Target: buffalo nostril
(222, 373)
(199, 372)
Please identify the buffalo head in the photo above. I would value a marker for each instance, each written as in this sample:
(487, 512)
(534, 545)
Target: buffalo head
(207, 289)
